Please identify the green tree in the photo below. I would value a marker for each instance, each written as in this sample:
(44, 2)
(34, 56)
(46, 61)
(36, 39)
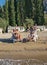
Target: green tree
(3, 24)
(16, 11)
(15, 5)
(2, 15)
(0, 11)
(28, 8)
(39, 17)
(6, 12)
(11, 13)
(20, 12)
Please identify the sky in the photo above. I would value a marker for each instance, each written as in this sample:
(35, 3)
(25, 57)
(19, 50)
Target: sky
(2, 2)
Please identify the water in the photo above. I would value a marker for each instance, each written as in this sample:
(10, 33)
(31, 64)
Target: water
(21, 62)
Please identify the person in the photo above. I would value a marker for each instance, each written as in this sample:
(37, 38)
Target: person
(30, 36)
(16, 35)
(33, 34)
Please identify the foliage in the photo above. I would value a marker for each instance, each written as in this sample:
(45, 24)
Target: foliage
(45, 15)
(39, 17)
(3, 24)
(15, 9)
(6, 12)
(2, 15)
(20, 12)
(29, 22)
(11, 13)
(16, 12)
(28, 8)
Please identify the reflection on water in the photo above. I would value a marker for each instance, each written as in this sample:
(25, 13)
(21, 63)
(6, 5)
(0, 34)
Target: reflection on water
(21, 62)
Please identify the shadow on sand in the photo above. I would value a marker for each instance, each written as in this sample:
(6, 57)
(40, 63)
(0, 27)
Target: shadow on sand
(9, 40)
(6, 40)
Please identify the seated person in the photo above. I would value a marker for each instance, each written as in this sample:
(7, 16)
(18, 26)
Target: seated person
(33, 34)
(16, 34)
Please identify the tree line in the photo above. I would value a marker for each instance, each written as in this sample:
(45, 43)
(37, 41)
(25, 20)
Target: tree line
(17, 11)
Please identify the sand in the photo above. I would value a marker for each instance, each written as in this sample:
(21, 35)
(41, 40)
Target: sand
(28, 50)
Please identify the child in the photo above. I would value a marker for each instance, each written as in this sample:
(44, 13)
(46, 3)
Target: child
(33, 34)
(16, 35)
(30, 36)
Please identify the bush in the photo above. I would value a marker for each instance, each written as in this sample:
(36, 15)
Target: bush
(29, 23)
(45, 21)
(45, 16)
(3, 24)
